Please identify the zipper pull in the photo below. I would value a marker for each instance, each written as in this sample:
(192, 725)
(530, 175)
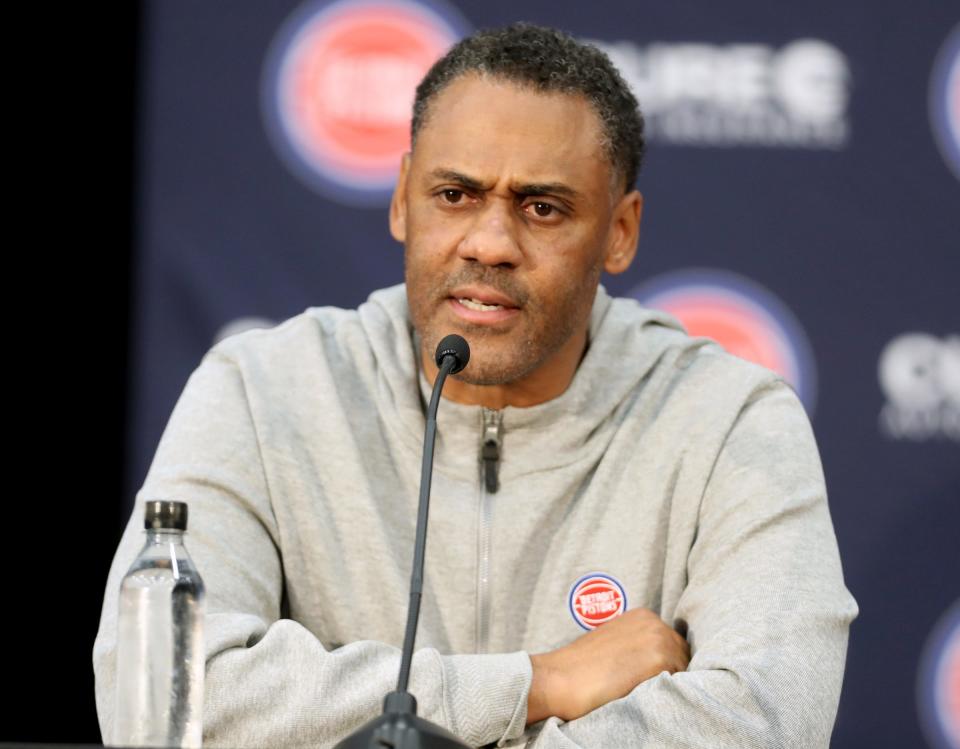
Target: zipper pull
(490, 450)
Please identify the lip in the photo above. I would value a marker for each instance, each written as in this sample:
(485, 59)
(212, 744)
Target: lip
(483, 295)
(482, 317)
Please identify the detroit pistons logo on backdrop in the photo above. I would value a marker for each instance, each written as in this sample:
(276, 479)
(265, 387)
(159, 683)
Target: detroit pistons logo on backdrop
(945, 100)
(742, 316)
(938, 684)
(595, 599)
(338, 88)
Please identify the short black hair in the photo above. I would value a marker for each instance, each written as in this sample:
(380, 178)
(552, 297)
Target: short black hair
(548, 60)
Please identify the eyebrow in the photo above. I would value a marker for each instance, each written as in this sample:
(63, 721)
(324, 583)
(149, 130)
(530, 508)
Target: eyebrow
(532, 189)
(449, 175)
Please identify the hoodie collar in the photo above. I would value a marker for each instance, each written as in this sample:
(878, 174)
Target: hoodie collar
(577, 425)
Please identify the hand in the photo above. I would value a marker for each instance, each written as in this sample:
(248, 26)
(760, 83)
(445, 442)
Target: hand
(603, 665)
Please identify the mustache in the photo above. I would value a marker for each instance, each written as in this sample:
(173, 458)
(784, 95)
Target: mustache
(495, 278)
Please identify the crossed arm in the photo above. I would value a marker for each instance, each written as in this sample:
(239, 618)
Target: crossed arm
(765, 610)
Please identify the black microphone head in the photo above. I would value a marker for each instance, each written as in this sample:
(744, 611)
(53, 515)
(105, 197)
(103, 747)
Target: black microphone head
(455, 346)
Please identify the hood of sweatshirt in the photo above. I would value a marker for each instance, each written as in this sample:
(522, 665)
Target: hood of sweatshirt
(625, 341)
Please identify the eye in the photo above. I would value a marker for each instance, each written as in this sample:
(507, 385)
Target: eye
(452, 196)
(544, 210)
(549, 213)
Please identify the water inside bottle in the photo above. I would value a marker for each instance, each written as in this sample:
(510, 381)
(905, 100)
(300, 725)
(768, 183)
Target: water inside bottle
(160, 656)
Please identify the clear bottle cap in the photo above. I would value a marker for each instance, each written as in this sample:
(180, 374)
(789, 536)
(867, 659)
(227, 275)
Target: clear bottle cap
(165, 515)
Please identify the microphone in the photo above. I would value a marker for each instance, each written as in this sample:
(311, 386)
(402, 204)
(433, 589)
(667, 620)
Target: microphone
(399, 727)
(455, 346)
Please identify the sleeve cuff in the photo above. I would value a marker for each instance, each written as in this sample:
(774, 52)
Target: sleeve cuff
(486, 695)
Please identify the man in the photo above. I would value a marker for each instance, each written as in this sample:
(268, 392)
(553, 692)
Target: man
(596, 469)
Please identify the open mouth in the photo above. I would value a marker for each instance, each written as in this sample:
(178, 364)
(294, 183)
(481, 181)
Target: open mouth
(479, 306)
(482, 306)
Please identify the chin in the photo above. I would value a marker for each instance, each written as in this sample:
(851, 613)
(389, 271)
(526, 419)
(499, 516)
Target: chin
(484, 379)
(497, 365)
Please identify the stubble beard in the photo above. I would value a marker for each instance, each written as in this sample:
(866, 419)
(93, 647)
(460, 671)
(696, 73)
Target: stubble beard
(496, 357)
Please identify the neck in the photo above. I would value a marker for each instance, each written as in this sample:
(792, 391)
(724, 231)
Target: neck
(548, 381)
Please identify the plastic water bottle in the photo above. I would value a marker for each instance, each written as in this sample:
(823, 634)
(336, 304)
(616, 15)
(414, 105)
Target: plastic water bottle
(160, 656)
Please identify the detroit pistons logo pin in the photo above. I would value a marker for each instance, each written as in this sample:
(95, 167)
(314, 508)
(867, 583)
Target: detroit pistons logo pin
(595, 599)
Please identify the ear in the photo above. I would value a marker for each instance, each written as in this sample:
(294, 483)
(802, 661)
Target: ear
(624, 233)
(398, 203)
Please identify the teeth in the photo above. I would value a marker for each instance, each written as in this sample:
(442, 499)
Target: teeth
(480, 306)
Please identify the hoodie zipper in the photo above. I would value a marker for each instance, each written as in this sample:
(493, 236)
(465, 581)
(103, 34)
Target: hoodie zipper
(489, 484)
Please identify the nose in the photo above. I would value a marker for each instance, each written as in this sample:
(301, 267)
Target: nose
(491, 237)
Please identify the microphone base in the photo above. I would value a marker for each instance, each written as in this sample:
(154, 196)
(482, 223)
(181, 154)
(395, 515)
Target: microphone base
(401, 728)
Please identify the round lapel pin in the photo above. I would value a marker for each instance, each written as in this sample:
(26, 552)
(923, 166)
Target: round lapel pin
(595, 599)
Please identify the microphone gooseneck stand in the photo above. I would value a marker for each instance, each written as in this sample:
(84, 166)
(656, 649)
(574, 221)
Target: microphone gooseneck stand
(400, 727)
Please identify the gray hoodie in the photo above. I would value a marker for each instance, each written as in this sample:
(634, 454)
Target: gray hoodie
(683, 479)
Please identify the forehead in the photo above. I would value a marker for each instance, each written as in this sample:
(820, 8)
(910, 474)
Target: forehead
(492, 128)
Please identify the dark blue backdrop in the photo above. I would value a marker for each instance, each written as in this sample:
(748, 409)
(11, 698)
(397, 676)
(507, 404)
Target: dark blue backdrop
(803, 178)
